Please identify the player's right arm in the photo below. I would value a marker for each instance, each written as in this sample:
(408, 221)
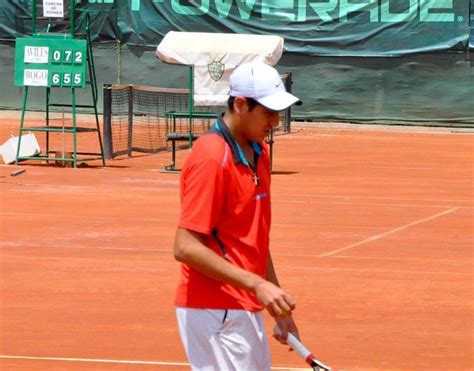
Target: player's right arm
(189, 248)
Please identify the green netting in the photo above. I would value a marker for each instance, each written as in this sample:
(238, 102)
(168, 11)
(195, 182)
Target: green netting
(319, 28)
(423, 73)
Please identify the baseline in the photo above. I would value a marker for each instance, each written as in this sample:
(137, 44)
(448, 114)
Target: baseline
(379, 236)
(119, 361)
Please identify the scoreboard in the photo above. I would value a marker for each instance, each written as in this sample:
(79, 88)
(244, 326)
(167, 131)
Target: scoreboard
(50, 61)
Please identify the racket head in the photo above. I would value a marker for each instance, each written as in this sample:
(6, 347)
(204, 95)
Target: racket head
(317, 367)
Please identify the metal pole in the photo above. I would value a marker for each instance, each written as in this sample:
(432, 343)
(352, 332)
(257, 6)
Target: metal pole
(119, 62)
(74, 127)
(107, 111)
(289, 83)
(130, 120)
(23, 110)
(72, 21)
(33, 17)
(191, 103)
(48, 99)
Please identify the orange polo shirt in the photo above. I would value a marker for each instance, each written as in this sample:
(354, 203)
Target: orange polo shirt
(225, 200)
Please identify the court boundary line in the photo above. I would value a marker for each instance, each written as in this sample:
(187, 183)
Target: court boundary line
(391, 271)
(379, 236)
(384, 258)
(86, 189)
(28, 245)
(309, 268)
(119, 361)
(173, 218)
(170, 250)
(363, 204)
(366, 197)
(274, 195)
(89, 217)
(106, 260)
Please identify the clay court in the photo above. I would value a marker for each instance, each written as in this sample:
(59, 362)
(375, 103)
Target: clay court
(372, 235)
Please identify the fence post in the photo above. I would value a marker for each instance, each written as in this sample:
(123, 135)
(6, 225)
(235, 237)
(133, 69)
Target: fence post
(107, 111)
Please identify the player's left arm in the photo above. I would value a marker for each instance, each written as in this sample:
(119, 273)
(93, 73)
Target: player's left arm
(284, 322)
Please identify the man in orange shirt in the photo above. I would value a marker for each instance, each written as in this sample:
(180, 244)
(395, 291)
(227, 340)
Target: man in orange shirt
(222, 240)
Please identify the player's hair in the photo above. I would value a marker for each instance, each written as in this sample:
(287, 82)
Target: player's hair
(251, 102)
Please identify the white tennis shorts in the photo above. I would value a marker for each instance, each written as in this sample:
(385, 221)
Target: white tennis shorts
(224, 340)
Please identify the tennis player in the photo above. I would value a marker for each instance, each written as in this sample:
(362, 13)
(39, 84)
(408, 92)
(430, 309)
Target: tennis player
(222, 240)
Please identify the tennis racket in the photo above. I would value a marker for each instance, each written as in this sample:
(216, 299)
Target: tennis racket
(304, 353)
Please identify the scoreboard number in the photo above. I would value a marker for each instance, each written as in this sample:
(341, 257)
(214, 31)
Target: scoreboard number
(56, 58)
(78, 57)
(56, 79)
(77, 79)
(66, 79)
(67, 56)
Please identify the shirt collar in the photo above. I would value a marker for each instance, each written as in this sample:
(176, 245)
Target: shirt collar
(237, 154)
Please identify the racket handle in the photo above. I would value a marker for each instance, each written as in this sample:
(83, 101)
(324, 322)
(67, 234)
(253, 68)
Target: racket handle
(304, 353)
(299, 348)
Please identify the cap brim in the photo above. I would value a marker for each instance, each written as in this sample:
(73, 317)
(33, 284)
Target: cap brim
(279, 101)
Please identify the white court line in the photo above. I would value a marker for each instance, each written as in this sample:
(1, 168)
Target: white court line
(460, 169)
(169, 251)
(70, 216)
(87, 190)
(106, 217)
(384, 258)
(379, 236)
(293, 195)
(103, 260)
(61, 245)
(402, 259)
(172, 262)
(390, 271)
(119, 361)
(93, 360)
(353, 203)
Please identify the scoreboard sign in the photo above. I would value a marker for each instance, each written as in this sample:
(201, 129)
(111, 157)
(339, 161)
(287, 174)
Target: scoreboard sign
(50, 62)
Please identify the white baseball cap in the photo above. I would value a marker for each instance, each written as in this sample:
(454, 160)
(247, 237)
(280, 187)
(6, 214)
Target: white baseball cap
(262, 83)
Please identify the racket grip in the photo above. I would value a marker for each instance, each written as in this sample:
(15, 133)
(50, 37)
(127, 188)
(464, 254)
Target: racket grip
(299, 348)
(305, 354)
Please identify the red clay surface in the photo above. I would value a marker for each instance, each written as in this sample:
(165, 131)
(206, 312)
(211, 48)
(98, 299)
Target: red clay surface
(372, 234)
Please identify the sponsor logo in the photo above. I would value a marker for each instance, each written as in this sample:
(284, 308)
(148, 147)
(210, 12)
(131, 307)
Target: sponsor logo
(216, 70)
(385, 11)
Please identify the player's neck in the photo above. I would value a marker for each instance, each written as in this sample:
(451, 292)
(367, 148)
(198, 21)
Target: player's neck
(236, 130)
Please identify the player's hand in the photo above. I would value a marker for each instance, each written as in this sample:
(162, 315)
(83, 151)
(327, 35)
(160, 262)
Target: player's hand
(274, 299)
(282, 327)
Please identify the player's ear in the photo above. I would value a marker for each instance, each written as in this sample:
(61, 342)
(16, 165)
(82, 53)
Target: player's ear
(240, 104)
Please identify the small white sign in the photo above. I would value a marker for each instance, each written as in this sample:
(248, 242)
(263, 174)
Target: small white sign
(33, 77)
(36, 54)
(53, 8)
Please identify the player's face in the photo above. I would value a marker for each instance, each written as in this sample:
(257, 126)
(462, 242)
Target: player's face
(259, 122)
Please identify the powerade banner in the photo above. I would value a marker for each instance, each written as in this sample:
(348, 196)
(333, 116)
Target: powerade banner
(318, 27)
(309, 27)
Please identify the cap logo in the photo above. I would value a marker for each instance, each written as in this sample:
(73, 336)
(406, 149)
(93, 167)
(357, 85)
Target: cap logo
(216, 70)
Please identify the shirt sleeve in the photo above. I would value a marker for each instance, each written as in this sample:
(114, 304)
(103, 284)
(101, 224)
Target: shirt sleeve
(202, 195)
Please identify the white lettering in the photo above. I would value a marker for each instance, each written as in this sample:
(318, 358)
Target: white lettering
(277, 10)
(370, 6)
(427, 15)
(36, 54)
(33, 77)
(325, 10)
